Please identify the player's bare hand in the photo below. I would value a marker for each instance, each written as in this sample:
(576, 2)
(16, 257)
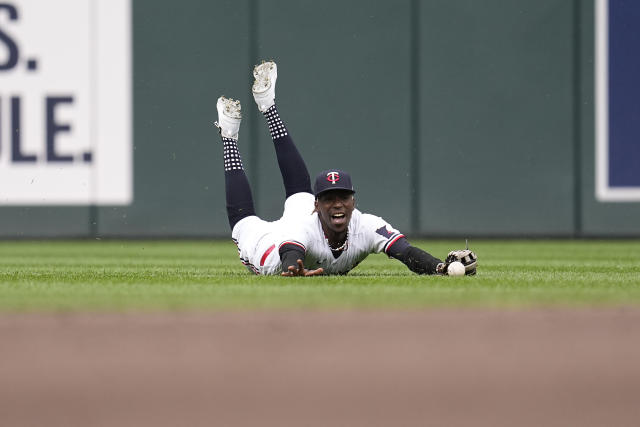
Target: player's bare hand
(301, 271)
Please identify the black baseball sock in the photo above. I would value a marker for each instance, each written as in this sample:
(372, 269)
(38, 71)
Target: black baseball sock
(292, 167)
(236, 184)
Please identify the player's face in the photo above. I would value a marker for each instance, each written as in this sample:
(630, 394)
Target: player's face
(334, 210)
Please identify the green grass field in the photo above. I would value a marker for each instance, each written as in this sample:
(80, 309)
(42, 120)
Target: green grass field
(204, 275)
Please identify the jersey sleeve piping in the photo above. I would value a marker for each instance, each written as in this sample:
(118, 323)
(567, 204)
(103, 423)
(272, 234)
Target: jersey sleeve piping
(292, 242)
(391, 241)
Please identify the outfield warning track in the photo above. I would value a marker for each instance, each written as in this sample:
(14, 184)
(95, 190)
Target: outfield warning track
(454, 367)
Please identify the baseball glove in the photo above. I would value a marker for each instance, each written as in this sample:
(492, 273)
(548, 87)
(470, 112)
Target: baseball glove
(465, 256)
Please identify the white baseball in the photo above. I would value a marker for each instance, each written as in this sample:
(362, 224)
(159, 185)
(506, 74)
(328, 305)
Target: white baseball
(455, 269)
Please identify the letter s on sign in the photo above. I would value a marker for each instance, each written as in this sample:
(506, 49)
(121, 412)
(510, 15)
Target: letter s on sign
(12, 47)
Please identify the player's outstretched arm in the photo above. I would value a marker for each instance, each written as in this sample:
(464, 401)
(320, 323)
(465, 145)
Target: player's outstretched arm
(299, 270)
(414, 258)
(292, 261)
(422, 262)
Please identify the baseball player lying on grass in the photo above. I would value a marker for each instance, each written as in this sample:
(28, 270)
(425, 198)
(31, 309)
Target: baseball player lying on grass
(321, 231)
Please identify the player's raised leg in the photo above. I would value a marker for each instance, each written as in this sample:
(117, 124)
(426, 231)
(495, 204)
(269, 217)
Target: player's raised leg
(292, 167)
(238, 191)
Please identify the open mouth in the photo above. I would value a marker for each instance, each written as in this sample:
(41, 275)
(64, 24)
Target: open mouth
(338, 218)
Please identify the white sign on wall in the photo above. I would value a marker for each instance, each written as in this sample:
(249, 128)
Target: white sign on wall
(65, 102)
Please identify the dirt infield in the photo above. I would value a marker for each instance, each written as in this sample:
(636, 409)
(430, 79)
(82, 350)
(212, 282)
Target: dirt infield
(438, 367)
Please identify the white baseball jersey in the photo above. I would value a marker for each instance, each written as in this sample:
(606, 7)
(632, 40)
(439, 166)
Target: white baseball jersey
(259, 241)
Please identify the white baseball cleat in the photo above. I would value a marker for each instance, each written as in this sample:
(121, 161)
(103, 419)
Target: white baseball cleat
(229, 117)
(264, 85)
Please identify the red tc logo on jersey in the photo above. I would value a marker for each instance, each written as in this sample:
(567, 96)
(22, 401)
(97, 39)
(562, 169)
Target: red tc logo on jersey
(333, 177)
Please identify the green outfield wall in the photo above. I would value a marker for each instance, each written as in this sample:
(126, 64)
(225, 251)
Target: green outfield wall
(455, 117)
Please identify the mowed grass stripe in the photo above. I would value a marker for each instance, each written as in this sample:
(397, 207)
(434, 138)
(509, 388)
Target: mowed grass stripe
(203, 275)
